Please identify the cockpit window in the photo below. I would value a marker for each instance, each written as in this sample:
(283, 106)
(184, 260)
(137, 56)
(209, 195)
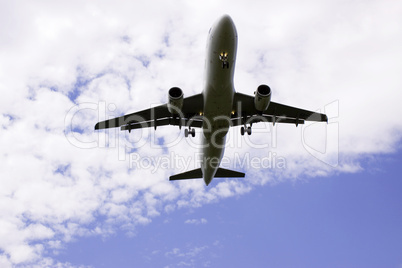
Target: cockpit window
(210, 30)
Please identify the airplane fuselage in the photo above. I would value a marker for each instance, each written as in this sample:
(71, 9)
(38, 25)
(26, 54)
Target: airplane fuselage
(218, 94)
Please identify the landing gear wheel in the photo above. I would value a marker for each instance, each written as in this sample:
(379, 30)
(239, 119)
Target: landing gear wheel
(242, 131)
(190, 131)
(249, 130)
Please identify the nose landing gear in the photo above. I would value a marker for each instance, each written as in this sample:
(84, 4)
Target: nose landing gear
(224, 58)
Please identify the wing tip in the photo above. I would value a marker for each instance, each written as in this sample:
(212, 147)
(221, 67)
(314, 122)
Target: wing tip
(325, 118)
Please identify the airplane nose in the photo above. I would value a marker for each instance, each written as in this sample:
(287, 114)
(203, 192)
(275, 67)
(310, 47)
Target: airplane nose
(226, 20)
(226, 24)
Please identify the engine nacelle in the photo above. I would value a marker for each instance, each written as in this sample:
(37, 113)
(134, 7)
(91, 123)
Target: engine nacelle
(262, 98)
(175, 102)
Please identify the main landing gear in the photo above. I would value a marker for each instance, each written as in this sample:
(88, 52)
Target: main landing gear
(245, 129)
(190, 131)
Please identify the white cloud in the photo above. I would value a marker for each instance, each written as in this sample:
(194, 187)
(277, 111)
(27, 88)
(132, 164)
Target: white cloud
(128, 54)
(196, 221)
(190, 256)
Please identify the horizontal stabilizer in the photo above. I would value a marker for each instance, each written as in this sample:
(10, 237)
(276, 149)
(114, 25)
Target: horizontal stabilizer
(197, 174)
(227, 173)
(192, 174)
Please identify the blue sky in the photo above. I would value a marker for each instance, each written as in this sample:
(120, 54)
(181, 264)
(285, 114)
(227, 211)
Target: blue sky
(341, 221)
(72, 197)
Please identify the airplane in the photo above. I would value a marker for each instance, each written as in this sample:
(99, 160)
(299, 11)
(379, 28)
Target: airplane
(216, 109)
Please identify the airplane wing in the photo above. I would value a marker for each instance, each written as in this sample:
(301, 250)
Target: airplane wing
(244, 108)
(159, 116)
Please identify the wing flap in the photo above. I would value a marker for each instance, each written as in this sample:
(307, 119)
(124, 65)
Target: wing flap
(163, 122)
(280, 110)
(141, 116)
(265, 118)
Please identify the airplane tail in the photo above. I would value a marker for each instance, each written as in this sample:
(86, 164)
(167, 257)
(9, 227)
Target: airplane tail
(197, 174)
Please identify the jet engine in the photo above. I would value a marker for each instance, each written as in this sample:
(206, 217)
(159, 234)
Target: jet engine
(262, 98)
(175, 100)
